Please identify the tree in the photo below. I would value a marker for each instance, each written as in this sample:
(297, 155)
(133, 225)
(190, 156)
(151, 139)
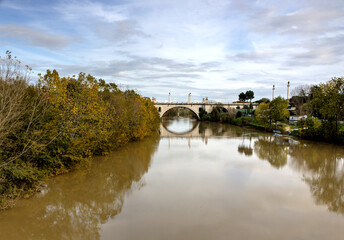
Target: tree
(45, 129)
(278, 108)
(302, 90)
(328, 103)
(238, 114)
(242, 97)
(13, 85)
(262, 113)
(275, 111)
(249, 95)
(202, 113)
(301, 95)
(21, 110)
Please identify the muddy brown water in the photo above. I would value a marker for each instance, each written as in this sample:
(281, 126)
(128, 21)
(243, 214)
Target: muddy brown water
(194, 181)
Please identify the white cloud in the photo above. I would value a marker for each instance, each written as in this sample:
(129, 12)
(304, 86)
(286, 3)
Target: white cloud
(213, 48)
(34, 37)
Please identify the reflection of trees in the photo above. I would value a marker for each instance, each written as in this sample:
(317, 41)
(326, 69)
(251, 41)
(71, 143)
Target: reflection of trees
(271, 149)
(218, 129)
(248, 151)
(80, 202)
(166, 122)
(323, 168)
(329, 190)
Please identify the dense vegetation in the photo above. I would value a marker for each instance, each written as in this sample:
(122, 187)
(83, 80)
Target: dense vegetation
(238, 117)
(323, 104)
(271, 112)
(48, 128)
(232, 116)
(325, 108)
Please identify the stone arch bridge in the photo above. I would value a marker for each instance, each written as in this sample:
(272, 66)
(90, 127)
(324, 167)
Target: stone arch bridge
(196, 107)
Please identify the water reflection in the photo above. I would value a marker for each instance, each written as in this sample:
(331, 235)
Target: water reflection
(179, 125)
(190, 128)
(76, 205)
(323, 169)
(272, 149)
(322, 166)
(234, 183)
(246, 150)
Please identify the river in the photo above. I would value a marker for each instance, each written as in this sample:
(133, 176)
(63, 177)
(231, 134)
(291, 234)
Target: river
(194, 181)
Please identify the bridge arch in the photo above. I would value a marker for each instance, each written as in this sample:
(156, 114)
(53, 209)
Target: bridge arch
(168, 108)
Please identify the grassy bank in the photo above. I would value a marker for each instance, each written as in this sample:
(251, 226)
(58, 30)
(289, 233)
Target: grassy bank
(50, 127)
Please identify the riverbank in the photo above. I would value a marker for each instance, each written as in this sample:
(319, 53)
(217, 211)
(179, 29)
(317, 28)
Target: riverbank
(309, 130)
(60, 123)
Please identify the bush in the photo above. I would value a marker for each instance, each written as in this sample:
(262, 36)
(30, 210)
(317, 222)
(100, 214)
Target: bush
(238, 114)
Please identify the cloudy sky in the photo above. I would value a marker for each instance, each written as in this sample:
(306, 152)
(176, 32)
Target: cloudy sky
(213, 48)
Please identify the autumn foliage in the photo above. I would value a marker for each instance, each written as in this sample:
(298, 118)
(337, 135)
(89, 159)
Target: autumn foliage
(59, 123)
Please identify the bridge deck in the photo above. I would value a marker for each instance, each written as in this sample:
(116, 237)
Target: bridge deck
(182, 103)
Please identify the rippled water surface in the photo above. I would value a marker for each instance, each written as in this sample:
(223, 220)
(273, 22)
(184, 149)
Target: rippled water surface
(194, 181)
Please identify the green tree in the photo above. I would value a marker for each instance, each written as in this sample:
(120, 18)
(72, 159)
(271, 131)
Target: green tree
(275, 111)
(262, 113)
(249, 95)
(278, 109)
(242, 97)
(328, 103)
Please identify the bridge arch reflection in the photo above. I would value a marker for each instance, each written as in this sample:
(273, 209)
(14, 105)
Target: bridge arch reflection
(192, 132)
